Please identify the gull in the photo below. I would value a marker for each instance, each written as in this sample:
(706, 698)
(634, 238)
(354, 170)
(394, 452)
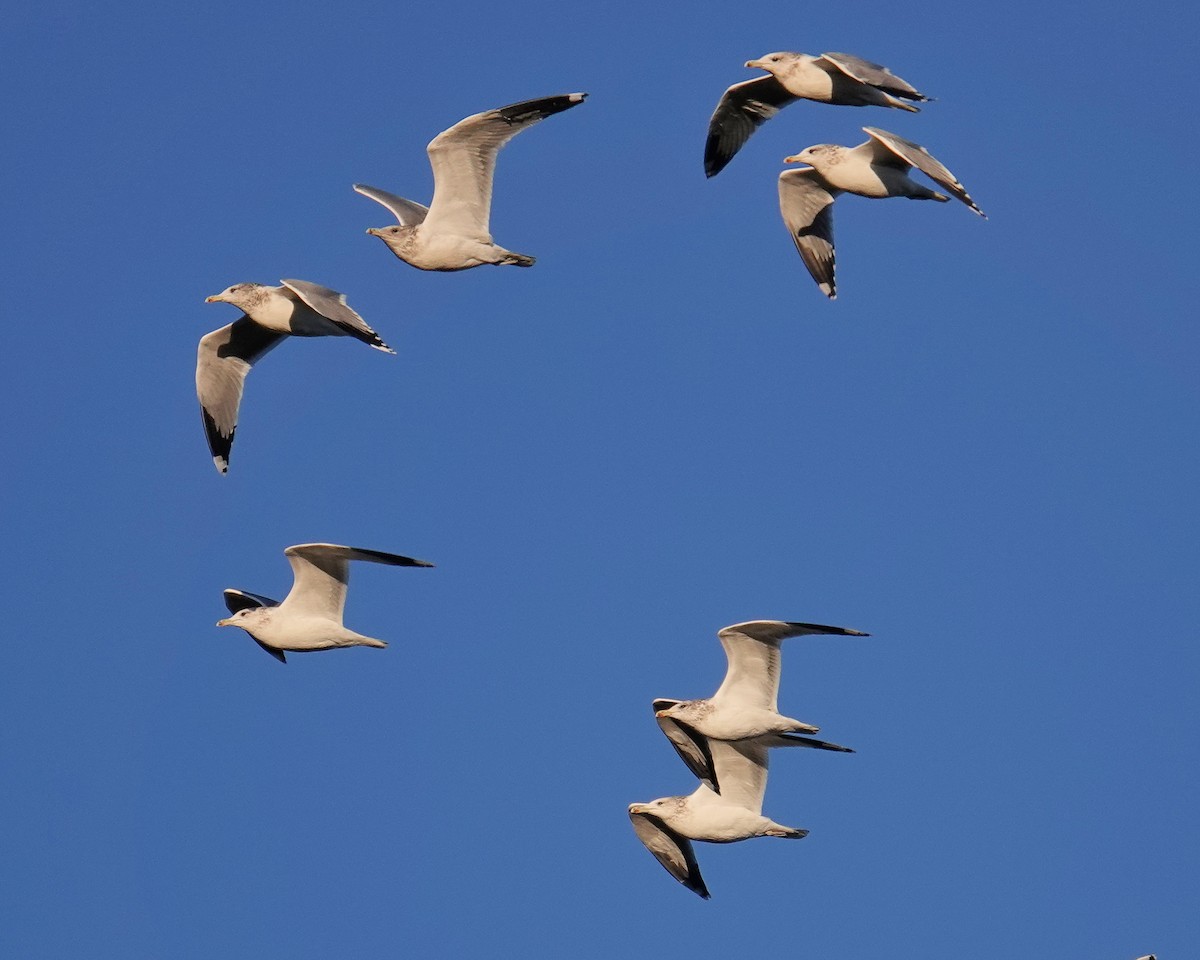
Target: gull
(452, 232)
(837, 78)
(877, 168)
(745, 706)
(693, 747)
(298, 309)
(667, 825)
(310, 617)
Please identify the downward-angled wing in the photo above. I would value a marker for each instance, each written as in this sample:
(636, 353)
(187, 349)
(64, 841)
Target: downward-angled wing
(332, 305)
(752, 649)
(407, 212)
(742, 109)
(891, 150)
(222, 362)
(689, 743)
(464, 161)
(236, 600)
(321, 572)
(806, 204)
(673, 851)
(874, 74)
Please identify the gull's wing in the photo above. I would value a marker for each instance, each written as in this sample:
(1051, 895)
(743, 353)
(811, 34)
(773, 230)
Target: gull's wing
(742, 109)
(464, 159)
(321, 572)
(887, 148)
(874, 74)
(690, 744)
(741, 769)
(332, 306)
(407, 212)
(671, 850)
(752, 649)
(236, 600)
(806, 204)
(792, 740)
(222, 362)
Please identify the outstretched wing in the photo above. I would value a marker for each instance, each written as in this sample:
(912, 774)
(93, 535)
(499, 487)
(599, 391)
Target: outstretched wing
(236, 600)
(689, 743)
(407, 212)
(806, 204)
(741, 769)
(887, 148)
(670, 849)
(321, 572)
(464, 161)
(222, 362)
(332, 305)
(874, 74)
(742, 109)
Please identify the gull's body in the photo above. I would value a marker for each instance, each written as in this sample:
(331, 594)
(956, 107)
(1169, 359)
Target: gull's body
(297, 308)
(453, 232)
(835, 78)
(877, 169)
(746, 705)
(667, 825)
(310, 616)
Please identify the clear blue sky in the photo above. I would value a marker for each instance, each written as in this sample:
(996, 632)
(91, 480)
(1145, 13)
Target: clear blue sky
(984, 453)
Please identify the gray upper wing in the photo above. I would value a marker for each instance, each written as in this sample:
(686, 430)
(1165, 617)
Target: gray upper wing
(673, 851)
(806, 205)
(887, 148)
(222, 362)
(742, 109)
(321, 573)
(464, 161)
(875, 74)
(332, 305)
(407, 212)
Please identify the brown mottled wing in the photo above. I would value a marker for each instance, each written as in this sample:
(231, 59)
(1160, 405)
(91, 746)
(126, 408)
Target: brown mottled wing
(742, 109)
(222, 362)
(670, 849)
(806, 205)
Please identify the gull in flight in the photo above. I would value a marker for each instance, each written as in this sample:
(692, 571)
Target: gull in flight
(836, 78)
(668, 825)
(310, 617)
(298, 309)
(452, 233)
(745, 706)
(877, 169)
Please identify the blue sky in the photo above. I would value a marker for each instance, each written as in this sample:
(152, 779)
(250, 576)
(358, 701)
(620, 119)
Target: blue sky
(984, 453)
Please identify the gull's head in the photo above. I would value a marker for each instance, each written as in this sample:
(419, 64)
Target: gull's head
(815, 156)
(664, 807)
(239, 294)
(246, 618)
(772, 62)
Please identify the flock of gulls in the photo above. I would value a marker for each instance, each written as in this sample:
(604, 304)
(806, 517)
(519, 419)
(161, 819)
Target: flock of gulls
(725, 740)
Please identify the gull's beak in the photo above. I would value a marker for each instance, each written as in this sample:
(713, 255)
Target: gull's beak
(660, 713)
(794, 158)
(637, 808)
(374, 231)
(213, 299)
(225, 623)
(755, 63)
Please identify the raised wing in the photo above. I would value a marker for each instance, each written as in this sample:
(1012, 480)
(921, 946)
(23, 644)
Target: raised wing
(806, 205)
(742, 109)
(887, 148)
(236, 600)
(752, 649)
(407, 212)
(670, 849)
(222, 362)
(321, 572)
(690, 744)
(332, 305)
(741, 770)
(874, 74)
(464, 161)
